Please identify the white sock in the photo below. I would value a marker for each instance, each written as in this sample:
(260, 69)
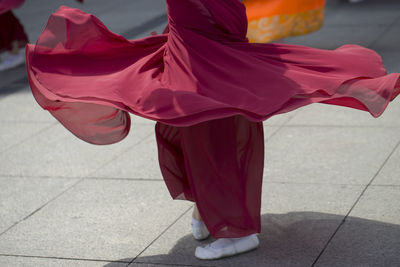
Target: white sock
(199, 230)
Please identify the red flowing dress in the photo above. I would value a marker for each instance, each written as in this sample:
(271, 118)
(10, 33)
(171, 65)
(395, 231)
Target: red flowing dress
(201, 75)
(90, 79)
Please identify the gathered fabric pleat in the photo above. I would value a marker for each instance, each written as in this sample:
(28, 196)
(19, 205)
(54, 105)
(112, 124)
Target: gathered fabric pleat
(219, 165)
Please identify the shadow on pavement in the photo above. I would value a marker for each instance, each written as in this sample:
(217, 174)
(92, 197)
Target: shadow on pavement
(296, 239)
(13, 80)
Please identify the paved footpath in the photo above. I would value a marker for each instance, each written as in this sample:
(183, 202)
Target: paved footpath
(331, 191)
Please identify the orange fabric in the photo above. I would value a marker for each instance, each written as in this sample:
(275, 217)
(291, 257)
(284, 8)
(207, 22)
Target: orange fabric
(264, 8)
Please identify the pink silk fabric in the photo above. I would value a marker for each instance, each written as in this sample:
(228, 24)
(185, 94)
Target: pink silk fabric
(6, 5)
(90, 79)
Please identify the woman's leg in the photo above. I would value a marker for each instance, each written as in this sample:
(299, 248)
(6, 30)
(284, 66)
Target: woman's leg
(196, 214)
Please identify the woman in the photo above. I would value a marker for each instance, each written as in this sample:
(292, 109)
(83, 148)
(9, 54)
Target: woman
(12, 35)
(271, 20)
(208, 88)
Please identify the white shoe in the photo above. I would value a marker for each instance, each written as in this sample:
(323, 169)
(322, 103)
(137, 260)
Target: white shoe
(199, 230)
(224, 247)
(11, 61)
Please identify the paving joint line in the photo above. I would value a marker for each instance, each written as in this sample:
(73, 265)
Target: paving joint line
(77, 178)
(40, 208)
(61, 258)
(27, 122)
(163, 232)
(355, 203)
(279, 128)
(266, 181)
(310, 183)
(17, 176)
(337, 126)
(125, 179)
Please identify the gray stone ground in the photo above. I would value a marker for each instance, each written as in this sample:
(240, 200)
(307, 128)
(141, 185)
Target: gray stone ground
(331, 189)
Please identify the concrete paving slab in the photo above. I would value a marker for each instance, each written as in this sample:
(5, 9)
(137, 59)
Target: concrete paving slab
(328, 115)
(140, 162)
(12, 134)
(19, 197)
(297, 222)
(48, 262)
(371, 235)
(56, 152)
(96, 220)
(390, 174)
(332, 37)
(332, 155)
